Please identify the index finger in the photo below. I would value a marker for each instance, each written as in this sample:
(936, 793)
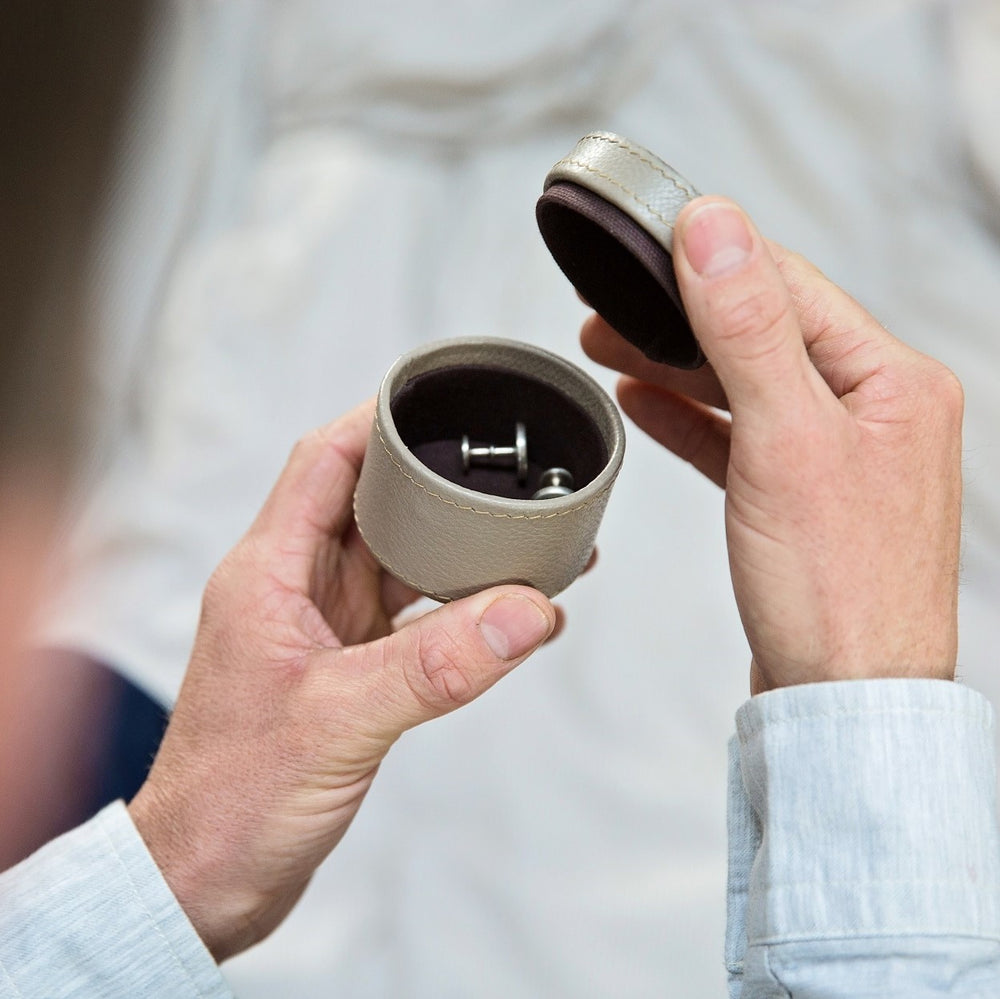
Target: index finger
(602, 344)
(844, 341)
(311, 503)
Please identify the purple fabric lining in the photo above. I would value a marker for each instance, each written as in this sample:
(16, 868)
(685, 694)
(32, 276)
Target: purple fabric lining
(433, 410)
(621, 271)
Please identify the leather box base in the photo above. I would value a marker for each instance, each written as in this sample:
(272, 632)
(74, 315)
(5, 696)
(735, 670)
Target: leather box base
(448, 530)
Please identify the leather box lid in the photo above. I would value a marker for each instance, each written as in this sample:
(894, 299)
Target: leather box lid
(607, 219)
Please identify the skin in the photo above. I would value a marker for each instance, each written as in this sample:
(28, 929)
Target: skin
(297, 688)
(839, 449)
(840, 462)
(838, 446)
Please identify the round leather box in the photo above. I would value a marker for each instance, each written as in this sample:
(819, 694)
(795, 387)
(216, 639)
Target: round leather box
(449, 525)
(607, 216)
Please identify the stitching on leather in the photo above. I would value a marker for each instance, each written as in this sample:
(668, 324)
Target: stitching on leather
(642, 158)
(669, 223)
(487, 513)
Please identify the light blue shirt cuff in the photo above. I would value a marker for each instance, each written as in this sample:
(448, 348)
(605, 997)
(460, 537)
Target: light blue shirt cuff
(90, 915)
(863, 819)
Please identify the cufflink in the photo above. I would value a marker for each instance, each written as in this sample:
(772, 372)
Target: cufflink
(447, 517)
(607, 216)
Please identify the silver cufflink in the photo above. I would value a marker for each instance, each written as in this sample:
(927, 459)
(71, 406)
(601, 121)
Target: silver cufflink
(502, 457)
(554, 482)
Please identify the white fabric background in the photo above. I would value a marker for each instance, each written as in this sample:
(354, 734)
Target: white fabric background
(313, 188)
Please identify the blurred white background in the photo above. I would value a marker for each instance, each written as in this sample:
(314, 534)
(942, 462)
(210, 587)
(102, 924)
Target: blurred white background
(314, 187)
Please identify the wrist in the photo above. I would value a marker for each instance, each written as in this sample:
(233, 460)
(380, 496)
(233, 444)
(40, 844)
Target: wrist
(194, 866)
(764, 679)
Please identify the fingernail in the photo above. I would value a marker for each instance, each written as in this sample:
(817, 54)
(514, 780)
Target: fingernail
(512, 626)
(717, 240)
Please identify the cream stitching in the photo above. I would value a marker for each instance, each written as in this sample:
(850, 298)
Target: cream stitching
(669, 223)
(487, 513)
(632, 151)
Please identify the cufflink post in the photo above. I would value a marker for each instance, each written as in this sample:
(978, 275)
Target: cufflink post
(502, 457)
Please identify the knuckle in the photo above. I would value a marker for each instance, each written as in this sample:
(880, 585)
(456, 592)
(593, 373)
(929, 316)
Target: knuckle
(233, 583)
(441, 678)
(219, 629)
(935, 393)
(305, 447)
(947, 389)
(751, 322)
(806, 283)
(217, 589)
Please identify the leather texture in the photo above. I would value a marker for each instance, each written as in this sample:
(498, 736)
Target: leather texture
(607, 215)
(446, 540)
(630, 177)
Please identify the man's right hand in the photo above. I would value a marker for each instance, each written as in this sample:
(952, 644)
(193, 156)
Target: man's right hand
(841, 460)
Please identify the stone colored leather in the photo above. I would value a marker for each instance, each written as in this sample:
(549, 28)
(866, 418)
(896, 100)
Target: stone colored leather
(630, 177)
(448, 541)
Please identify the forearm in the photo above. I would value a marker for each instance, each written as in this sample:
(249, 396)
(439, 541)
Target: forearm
(864, 843)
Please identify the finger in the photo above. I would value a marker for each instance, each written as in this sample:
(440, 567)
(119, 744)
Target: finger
(450, 656)
(396, 595)
(741, 311)
(844, 341)
(311, 503)
(557, 628)
(602, 344)
(694, 432)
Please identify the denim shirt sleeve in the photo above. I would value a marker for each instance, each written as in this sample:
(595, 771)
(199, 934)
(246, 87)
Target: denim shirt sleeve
(863, 843)
(89, 915)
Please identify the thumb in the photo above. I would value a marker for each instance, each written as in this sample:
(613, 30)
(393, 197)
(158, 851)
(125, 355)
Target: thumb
(739, 307)
(450, 656)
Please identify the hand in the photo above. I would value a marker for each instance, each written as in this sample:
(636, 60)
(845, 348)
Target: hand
(841, 460)
(296, 689)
